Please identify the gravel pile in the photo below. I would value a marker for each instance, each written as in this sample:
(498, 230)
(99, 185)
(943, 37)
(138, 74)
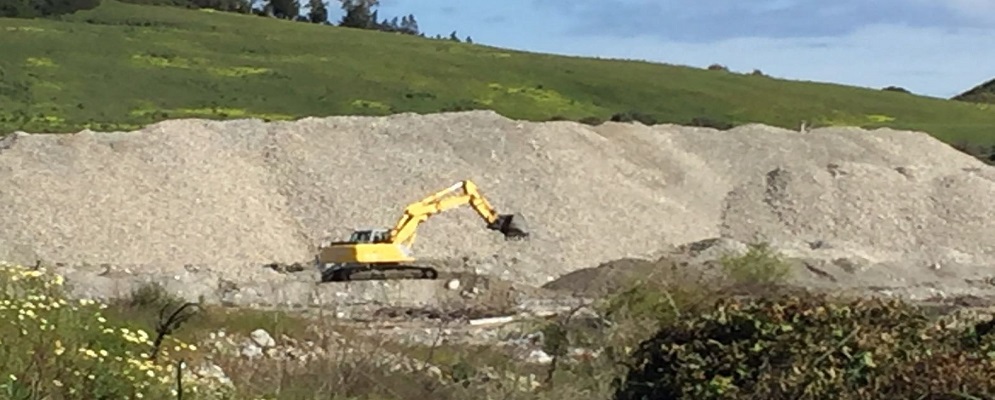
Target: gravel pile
(240, 194)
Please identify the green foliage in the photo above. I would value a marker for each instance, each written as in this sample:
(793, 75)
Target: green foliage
(760, 265)
(593, 121)
(121, 66)
(896, 89)
(810, 347)
(151, 296)
(667, 294)
(359, 14)
(47, 8)
(718, 67)
(234, 6)
(707, 122)
(646, 300)
(283, 9)
(631, 116)
(985, 153)
(54, 347)
(556, 340)
(983, 93)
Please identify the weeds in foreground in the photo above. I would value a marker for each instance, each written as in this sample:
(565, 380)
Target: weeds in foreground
(114, 347)
(56, 347)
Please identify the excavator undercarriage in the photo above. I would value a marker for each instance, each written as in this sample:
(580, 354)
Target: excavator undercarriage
(356, 272)
(372, 253)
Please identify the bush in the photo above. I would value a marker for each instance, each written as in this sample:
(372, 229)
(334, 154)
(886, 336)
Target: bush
(593, 121)
(51, 8)
(707, 122)
(667, 290)
(462, 105)
(631, 116)
(53, 347)
(761, 265)
(811, 347)
(896, 89)
(984, 153)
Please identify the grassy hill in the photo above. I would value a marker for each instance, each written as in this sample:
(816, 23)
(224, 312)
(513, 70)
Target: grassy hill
(121, 66)
(983, 93)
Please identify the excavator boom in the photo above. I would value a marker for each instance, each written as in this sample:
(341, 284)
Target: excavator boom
(383, 248)
(510, 225)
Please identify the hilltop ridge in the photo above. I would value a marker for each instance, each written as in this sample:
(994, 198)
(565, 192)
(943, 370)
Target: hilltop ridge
(983, 93)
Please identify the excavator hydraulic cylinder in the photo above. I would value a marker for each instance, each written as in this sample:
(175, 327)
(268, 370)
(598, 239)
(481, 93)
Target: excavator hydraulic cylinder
(513, 226)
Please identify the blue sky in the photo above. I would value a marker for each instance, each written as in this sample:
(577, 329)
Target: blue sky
(931, 47)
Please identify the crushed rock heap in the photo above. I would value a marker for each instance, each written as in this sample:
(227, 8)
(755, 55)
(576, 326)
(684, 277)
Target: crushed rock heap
(240, 194)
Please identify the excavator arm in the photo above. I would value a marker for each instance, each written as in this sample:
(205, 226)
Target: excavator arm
(415, 213)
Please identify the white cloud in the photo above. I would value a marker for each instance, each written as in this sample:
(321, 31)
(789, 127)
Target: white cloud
(973, 7)
(977, 11)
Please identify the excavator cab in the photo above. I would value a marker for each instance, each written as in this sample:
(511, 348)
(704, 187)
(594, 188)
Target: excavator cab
(376, 235)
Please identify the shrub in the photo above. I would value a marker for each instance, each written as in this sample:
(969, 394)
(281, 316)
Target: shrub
(708, 122)
(896, 89)
(718, 67)
(35, 9)
(53, 347)
(631, 116)
(670, 290)
(593, 121)
(462, 105)
(761, 265)
(983, 153)
(809, 346)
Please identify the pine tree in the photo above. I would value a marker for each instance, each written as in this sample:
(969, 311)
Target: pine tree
(318, 13)
(359, 13)
(409, 25)
(284, 9)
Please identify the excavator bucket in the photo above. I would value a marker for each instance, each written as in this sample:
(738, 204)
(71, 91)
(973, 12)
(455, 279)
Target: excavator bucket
(511, 225)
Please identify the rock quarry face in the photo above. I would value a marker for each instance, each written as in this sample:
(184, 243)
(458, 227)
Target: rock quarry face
(233, 196)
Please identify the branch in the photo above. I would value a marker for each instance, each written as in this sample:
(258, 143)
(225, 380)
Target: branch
(167, 325)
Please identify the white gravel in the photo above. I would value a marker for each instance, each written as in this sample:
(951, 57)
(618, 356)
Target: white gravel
(235, 195)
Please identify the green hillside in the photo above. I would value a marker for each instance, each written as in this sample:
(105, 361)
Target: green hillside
(983, 93)
(121, 66)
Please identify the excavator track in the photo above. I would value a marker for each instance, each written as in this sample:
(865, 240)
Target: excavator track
(378, 272)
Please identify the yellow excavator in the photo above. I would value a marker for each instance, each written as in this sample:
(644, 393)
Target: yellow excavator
(379, 250)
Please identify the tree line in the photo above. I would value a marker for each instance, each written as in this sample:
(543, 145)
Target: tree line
(360, 14)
